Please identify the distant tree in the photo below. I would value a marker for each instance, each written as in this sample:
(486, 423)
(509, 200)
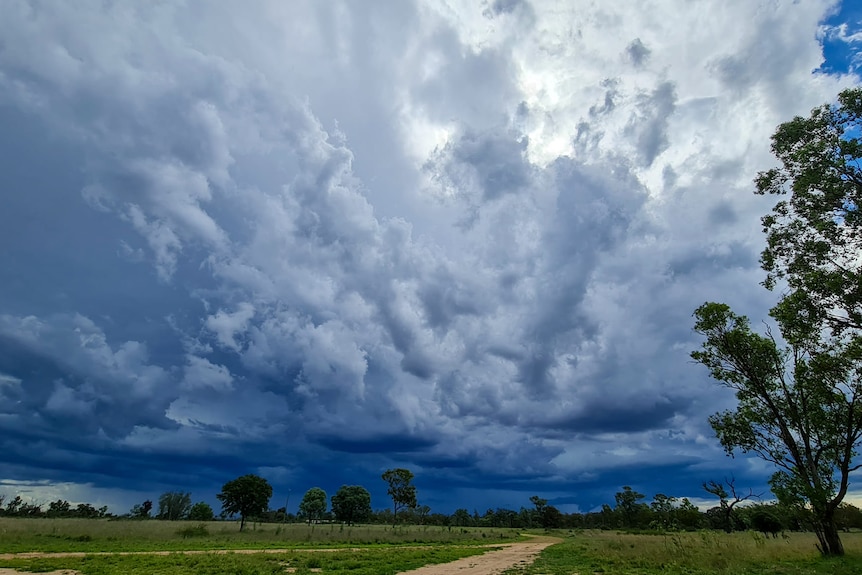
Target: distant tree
(664, 510)
(201, 511)
(461, 518)
(174, 505)
(141, 510)
(628, 505)
(87, 511)
(313, 504)
(422, 511)
(14, 505)
(728, 498)
(247, 496)
(59, 508)
(351, 504)
(766, 519)
(539, 504)
(401, 490)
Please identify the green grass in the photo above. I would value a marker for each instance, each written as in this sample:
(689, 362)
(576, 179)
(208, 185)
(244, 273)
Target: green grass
(370, 561)
(703, 553)
(97, 535)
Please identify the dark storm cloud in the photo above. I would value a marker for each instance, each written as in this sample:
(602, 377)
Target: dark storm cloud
(238, 244)
(395, 443)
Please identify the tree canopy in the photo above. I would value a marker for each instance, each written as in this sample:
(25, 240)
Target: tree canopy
(401, 489)
(247, 495)
(800, 401)
(351, 504)
(313, 504)
(174, 505)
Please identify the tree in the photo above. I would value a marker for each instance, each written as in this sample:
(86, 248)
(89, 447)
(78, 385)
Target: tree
(726, 505)
(813, 238)
(401, 489)
(798, 408)
(247, 495)
(174, 505)
(59, 508)
(201, 511)
(351, 504)
(627, 504)
(141, 510)
(313, 504)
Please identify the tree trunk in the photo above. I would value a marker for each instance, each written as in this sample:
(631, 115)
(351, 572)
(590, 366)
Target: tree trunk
(827, 534)
(241, 522)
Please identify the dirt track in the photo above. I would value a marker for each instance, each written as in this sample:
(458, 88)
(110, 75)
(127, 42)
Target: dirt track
(491, 563)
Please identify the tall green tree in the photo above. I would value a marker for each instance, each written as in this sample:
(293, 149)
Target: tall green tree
(174, 505)
(401, 490)
(628, 505)
(800, 404)
(313, 504)
(798, 408)
(247, 496)
(351, 504)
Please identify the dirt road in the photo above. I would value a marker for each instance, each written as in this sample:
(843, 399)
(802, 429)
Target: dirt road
(493, 562)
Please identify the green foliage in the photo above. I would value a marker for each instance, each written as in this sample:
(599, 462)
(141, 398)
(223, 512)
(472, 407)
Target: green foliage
(401, 489)
(351, 504)
(628, 505)
(141, 510)
(313, 504)
(201, 511)
(247, 496)
(813, 237)
(174, 505)
(798, 408)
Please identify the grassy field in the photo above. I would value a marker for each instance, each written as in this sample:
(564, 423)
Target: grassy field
(701, 553)
(368, 561)
(95, 535)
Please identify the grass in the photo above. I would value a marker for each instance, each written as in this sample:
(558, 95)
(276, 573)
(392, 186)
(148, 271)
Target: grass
(702, 553)
(99, 535)
(369, 561)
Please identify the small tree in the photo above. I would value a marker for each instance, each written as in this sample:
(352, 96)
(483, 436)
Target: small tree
(174, 505)
(351, 504)
(247, 495)
(313, 504)
(141, 510)
(201, 511)
(401, 490)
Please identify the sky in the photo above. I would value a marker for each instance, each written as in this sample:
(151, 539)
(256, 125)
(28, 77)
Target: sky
(314, 240)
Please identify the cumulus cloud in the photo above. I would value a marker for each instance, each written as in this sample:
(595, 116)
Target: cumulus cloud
(464, 237)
